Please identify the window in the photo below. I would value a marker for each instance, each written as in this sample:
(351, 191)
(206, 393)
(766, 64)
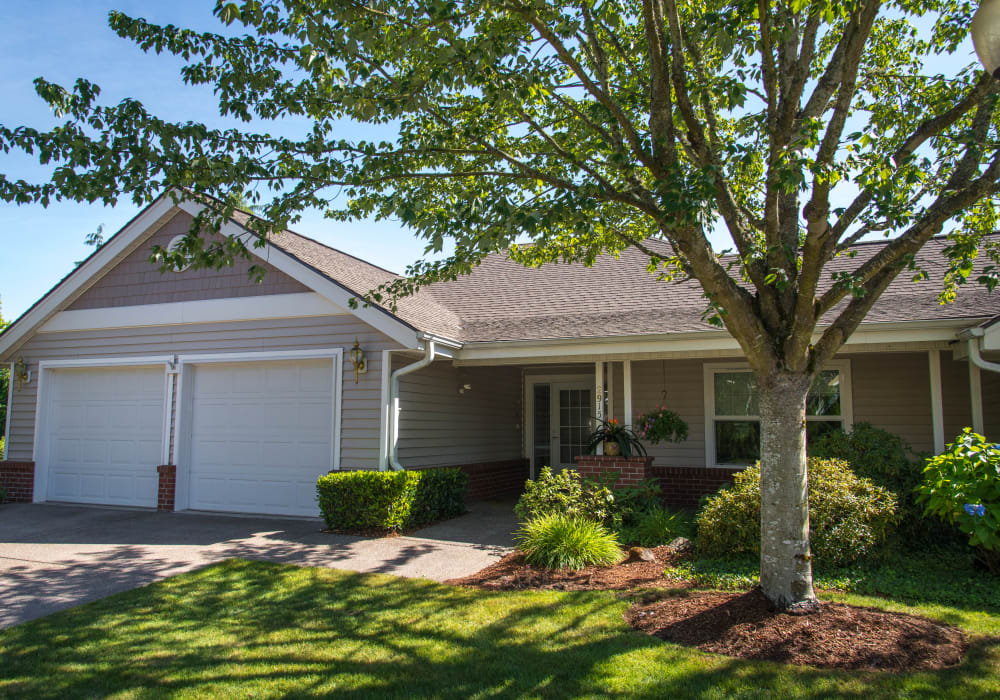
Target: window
(732, 413)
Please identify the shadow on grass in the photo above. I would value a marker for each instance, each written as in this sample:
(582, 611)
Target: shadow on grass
(255, 629)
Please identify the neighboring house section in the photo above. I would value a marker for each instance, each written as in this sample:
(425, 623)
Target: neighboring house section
(203, 389)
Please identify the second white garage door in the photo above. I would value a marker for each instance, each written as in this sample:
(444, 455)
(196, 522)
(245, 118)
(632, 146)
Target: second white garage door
(261, 434)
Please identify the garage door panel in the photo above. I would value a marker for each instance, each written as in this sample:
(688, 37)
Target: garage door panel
(103, 435)
(261, 434)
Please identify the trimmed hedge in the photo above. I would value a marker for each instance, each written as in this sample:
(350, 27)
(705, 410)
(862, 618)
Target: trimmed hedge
(373, 500)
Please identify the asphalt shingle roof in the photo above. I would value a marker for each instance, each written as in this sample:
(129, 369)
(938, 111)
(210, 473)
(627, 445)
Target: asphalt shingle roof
(502, 300)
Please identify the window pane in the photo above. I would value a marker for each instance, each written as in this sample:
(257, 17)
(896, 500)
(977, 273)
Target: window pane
(824, 396)
(735, 394)
(737, 442)
(815, 429)
(542, 409)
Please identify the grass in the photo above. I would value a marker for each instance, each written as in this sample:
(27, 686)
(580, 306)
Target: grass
(252, 629)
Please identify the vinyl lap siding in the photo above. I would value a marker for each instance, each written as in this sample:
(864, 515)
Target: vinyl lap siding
(360, 412)
(955, 396)
(991, 404)
(893, 392)
(440, 427)
(684, 385)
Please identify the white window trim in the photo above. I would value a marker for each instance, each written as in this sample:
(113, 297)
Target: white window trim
(38, 454)
(713, 368)
(182, 433)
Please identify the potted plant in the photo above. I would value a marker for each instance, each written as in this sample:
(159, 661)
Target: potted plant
(616, 438)
(661, 425)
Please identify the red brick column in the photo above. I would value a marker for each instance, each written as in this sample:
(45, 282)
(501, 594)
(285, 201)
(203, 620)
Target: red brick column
(18, 478)
(630, 470)
(168, 486)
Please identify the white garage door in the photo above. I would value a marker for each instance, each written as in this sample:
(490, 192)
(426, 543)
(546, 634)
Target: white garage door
(261, 434)
(103, 432)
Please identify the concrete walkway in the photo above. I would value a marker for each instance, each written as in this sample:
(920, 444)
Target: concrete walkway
(56, 556)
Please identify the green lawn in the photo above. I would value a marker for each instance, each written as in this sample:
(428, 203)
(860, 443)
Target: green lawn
(248, 629)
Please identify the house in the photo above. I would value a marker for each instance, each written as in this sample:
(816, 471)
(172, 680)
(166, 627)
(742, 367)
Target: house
(203, 390)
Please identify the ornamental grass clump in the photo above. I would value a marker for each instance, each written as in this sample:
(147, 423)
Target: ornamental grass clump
(850, 517)
(560, 541)
(962, 487)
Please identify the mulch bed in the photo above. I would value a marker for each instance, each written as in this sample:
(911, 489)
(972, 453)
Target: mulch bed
(743, 625)
(512, 574)
(838, 636)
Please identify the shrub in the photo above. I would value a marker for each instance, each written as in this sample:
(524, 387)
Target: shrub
(565, 492)
(653, 527)
(850, 517)
(962, 487)
(878, 455)
(370, 500)
(631, 502)
(562, 541)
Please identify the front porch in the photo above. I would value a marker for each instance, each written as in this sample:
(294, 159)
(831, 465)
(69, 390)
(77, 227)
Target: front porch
(503, 421)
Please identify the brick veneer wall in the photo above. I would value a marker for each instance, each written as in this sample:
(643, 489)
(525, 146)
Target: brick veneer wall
(495, 480)
(167, 490)
(683, 487)
(18, 478)
(631, 470)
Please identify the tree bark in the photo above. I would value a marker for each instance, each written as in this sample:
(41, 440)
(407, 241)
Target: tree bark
(785, 561)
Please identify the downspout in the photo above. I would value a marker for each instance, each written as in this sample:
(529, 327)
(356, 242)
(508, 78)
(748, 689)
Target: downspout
(971, 336)
(394, 401)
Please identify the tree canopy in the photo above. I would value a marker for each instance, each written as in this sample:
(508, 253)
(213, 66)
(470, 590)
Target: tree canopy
(798, 127)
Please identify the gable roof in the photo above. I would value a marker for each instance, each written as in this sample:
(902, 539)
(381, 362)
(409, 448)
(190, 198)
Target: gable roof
(504, 301)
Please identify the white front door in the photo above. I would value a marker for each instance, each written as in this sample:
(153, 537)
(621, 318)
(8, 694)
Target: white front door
(102, 434)
(561, 422)
(261, 433)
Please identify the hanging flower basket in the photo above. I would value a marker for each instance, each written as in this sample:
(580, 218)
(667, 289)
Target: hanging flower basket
(661, 425)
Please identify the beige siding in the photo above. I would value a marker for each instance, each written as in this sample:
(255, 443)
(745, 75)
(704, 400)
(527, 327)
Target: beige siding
(991, 404)
(360, 419)
(683, 382)
(892, 392)
(439, 426)
(955, 396)
(135, 280)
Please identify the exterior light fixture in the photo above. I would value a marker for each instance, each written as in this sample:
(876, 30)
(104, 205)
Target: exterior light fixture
(359, 360)
(21, 373)
(986, 35)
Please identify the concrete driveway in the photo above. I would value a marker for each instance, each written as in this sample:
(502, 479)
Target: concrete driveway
(57, 556)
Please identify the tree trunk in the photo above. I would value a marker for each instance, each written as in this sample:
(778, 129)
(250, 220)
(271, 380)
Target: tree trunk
(785, 561)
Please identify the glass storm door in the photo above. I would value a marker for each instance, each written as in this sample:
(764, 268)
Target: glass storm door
(562, 413)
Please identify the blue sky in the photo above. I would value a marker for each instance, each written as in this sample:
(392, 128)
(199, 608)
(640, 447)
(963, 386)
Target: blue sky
(63, 40)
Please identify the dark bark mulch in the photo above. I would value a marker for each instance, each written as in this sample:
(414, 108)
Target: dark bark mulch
(512, 574)
(838, 636)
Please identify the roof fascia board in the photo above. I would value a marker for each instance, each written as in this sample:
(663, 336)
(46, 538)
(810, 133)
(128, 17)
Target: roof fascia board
(78, 279)
(696, 341)
(296, 269)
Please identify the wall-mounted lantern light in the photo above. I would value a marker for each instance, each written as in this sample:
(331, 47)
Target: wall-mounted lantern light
(359, 360)
(21, 373)
(986, 35)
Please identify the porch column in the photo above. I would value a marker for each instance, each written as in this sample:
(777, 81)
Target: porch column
(599, 397)
(976, 394)
(937, 404)
(627, 390)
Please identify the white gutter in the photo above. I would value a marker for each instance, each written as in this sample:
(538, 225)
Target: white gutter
(394, 401)
(972, 336)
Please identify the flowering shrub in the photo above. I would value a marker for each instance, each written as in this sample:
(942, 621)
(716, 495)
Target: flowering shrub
(849, 516)
(661, 425)
(962, 487)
